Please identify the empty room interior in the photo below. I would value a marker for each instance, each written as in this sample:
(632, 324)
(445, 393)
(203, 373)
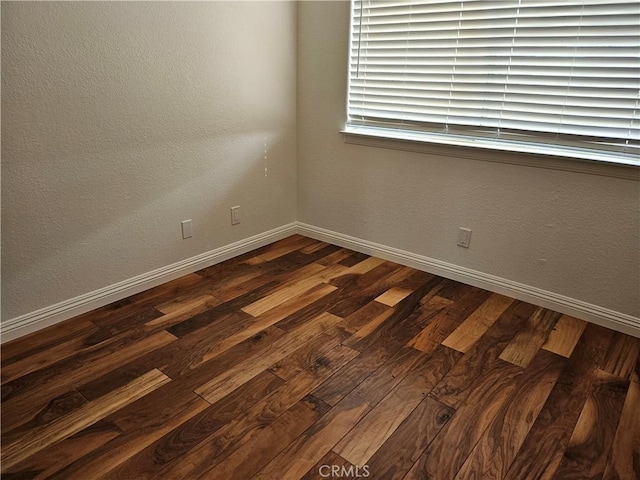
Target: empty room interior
(320, 239)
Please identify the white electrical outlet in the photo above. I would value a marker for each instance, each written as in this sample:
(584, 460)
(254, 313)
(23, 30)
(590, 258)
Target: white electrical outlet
(464, 237)
(187, 229)
(235, 215)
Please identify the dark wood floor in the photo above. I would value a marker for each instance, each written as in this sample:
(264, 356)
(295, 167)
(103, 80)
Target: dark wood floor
(305, 360)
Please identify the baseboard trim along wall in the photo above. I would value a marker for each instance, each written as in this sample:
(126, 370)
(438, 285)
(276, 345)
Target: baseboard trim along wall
(620, 322)
(45, 317)
(39, 319)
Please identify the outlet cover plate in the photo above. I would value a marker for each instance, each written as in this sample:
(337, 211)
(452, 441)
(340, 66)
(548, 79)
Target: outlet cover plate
(464, 237)
(235, 215)
(187, 229)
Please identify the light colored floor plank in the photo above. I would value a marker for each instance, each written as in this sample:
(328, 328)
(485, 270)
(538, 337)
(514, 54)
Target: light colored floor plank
(76, 421)
(565, 335)
(468, 333)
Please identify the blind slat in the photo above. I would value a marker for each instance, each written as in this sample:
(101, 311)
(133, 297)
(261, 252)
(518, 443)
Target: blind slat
(538, 67)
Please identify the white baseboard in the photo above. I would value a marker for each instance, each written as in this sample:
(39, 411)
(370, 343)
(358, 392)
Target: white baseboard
(620, 322)
(33, 321)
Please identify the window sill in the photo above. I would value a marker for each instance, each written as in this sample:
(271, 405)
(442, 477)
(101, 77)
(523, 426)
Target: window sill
(540, 156)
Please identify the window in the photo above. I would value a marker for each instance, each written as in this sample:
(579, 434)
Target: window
(554, 76)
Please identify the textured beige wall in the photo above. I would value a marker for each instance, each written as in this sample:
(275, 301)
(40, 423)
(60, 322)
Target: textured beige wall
(586, 227)
(121, 119)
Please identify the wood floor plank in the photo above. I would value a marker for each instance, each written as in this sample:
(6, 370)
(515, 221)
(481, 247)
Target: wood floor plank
(253, 327)
(588, 449)
(447, 453)
(186, 303)
(369, 434)
(291, 244)
(335, 257)
(401, 450)
(221, 314)
(426, 339)
(230, 267)
(526, 343)
(133, 324)
(206, 453)
(301, 454)
(28, 395)
(354, 258)
(115, 312)
(409, 312)
(345, 364)
(233, 273)
(206, 343)
(407, 278)
(364, 315)
(476, 324)
(257, 451)
(623, 461)
(166, 451)
(370, 285)
(366, 437)
(171, 289)
(347, 286)
(565, 335)
(495, 451)
(415, 280)
(57, 456)
(90, 413)
(178, 314)
(294, 304)
(311, 309)
(55, 408)
(455, 387)
(137, 416)
(296, 259)
(107, 457)
(314, 247)
(549, 435)
(385, 341)
(239, 296)
(36, 342)
(392, 296)
(304, 356)
(46, 357)
(215, 389)
(289, 262)
(622, 355)
(337, 387)
(251, 347)
(286, 267)
(228, 283)
(234, 267)
(380, 344)
(83, 364)
(190, 378)
(442, 325)
(373, 324)
(311, 279)
(313, 283)
(452, 290)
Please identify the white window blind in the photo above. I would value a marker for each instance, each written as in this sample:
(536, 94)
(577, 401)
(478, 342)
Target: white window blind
(552, 72)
